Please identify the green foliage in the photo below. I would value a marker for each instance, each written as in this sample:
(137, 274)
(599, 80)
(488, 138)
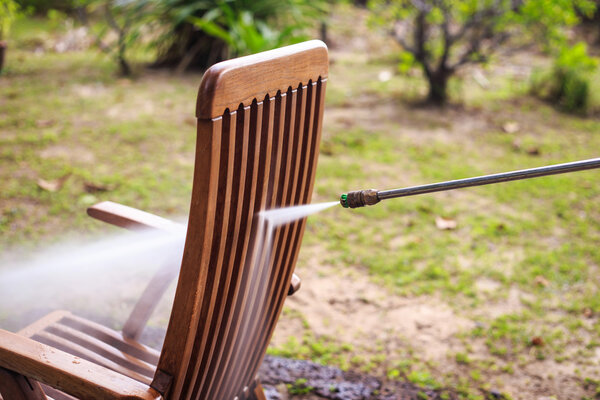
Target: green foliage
(443, 36)
(124, 20)
(567, 84)
(300, 387)
(423, 378)
(243, 32)
(43, 6)
(215, 29)
(9, 11)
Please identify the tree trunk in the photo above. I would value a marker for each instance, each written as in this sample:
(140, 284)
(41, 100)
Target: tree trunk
(2, 53)
(438, 87)
(123, 63)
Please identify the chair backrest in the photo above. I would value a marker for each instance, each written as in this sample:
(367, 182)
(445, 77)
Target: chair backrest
(259, 127)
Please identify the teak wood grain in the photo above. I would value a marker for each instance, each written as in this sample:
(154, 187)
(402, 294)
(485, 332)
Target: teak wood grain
(259, 128)
(83, 379)
(232, 83)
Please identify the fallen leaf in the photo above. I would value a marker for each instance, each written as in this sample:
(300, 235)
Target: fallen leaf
(537, 341)
(511, 127)
(588, 313)
(445, 223)
(53, 185)
(96, 187)
(44, 123)
(541, 281)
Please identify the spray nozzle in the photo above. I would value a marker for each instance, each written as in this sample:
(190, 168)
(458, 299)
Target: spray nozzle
(359, 198)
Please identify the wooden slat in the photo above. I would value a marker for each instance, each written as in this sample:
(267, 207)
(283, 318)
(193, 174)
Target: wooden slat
(102, 349)
(285, 277)
(259, 269)
(153, 293)
(112, 338)
(217, 257)
(263, 312)
(66, 372)
(43, 322)
(272, 315)
(254, 184)
(287, 133)
(56, 394)
(82, 352)
(239, 149)
(95, 336)
(14, 386)
(249, 173)
(183, 324)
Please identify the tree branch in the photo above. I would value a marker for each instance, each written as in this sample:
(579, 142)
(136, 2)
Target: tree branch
(447, 39)
(420, 38)
(402, 42)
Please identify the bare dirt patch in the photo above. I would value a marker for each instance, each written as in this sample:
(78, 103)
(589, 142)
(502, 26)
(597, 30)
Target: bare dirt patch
(347, 305)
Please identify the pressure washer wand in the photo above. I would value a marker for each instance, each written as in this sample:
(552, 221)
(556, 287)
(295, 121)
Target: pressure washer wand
(368, 197)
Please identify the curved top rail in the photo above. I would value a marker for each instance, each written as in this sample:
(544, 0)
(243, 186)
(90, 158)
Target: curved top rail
(230, 83)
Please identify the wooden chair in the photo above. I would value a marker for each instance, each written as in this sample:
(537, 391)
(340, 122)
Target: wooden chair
(259, 125)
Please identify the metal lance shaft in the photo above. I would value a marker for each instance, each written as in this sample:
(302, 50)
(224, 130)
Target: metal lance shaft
(368, 197)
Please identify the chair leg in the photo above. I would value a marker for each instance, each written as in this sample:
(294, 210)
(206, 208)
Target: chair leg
(17, 387)
(258, 393)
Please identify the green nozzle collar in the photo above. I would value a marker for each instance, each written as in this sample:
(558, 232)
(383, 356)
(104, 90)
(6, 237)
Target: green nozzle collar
(344, 200)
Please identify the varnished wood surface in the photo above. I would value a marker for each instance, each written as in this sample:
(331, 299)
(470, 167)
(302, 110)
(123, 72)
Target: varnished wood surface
(17, 387)
(240, 81)
(294, 285)
(72, 374)
(256, 153)
(95, 343)
(131, 218)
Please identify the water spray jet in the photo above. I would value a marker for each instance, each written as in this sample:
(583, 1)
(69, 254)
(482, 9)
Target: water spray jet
(369, 197)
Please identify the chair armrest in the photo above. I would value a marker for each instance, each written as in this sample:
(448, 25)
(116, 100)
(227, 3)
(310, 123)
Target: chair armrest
(68, 373)
(131, 218)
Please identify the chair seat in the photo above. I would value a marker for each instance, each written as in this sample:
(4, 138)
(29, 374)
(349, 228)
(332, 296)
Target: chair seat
(95, 343)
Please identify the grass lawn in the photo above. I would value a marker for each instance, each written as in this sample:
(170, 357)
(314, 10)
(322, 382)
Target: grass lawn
(506, 303)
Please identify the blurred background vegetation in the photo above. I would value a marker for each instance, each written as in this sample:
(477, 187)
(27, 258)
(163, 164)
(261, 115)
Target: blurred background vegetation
(437, 36)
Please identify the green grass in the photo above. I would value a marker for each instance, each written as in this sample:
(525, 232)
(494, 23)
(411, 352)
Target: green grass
(70, 114)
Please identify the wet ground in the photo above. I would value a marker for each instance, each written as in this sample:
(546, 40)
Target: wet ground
(284, 378)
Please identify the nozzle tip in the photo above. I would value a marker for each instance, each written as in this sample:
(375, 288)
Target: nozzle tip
(359, 198)
(344, 200)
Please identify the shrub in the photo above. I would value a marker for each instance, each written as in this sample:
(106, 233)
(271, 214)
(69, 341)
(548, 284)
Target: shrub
(567, 84)
(9, 10)
(43, 6)
(200, 33)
